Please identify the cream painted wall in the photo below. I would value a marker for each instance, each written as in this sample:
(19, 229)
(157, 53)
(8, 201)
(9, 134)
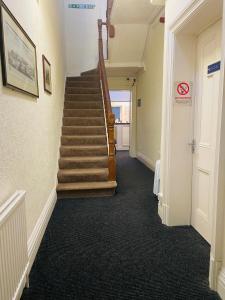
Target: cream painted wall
(30, 127)
(128, 53)
(81, 36)
(149, 89)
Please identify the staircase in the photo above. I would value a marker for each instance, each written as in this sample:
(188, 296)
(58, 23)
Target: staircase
(84, 161)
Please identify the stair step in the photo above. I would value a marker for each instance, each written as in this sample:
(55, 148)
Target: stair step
(83, 162)
(84, 130)
(82, 90)
(87, 186)
(83, 113)
(83, 97)
(98, 150)
(84, 121)
(82, 175)
(83, 189)
(83, 84)
(90, 72)
(83, 105)
(83, 140)
(82, 78)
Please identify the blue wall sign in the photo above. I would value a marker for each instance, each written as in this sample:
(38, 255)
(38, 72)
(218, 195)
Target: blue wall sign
(82, 6)
(214, 67)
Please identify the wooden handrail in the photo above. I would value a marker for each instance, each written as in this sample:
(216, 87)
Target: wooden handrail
(110, 117)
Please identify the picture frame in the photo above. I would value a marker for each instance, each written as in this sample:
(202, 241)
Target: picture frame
(18, 55)
(47, 75)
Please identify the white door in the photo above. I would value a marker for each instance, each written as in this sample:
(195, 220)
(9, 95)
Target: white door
(122, 136)
(205, 119)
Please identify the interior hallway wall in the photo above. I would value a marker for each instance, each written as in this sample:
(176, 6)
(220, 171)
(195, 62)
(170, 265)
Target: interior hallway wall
(30, 127)
(149, 90)
(81, 36)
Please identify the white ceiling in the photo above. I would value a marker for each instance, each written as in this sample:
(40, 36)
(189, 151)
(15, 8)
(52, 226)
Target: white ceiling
(133, 12)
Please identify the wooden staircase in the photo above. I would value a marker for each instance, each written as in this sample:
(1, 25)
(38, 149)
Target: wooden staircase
(85, 164)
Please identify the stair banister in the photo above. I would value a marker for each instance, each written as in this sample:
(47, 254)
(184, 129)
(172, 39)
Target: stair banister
(110, 117)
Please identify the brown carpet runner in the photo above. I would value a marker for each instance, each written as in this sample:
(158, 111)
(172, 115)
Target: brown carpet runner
(83, 164)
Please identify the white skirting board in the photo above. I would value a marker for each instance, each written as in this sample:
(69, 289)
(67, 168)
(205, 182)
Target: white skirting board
(40, 227)
(146, 161)
(221, 284)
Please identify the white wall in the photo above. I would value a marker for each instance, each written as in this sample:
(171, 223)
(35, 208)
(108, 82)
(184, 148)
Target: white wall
(174, 8)
(149, 90)
(128, 45)
(81, 36)
(30, 127)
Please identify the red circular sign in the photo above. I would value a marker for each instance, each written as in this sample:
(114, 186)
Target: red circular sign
(183, 88)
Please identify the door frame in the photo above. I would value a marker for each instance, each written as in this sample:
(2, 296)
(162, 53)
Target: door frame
(175, 205)
(122, 84)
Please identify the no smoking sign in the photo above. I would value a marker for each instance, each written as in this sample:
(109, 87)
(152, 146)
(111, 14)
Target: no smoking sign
(183, 92)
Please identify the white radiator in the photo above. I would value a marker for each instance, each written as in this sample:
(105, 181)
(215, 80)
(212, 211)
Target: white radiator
(13, 247)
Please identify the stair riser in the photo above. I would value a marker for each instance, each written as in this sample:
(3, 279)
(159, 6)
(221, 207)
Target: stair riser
(83, 105)
(80, 152)
(83, 122)
(82, 78)
(83, 113)
(83, 84)
(69, 141)
(83, 131)
(86, 97)
(77, 90)
(82, 178)
(83, 165)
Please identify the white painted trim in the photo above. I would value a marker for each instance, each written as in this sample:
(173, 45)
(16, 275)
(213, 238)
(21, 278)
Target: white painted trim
(146, 161)
(40, 227)
(214, 271)
(221, 284)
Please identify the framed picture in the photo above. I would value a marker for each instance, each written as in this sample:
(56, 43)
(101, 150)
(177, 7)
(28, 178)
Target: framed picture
(47, 75)
(18, 55)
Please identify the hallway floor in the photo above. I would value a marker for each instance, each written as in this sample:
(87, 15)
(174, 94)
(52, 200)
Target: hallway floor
(116, 248)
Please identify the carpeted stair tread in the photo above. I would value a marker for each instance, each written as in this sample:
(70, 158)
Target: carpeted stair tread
(93, 77)
(84, 121)
(83, 140)
(86, 186)
(83, 112)
(82, 90)
(84, 150)
(83, 84)
(82, 175)
(83, 162)
(83, 97)
(83, 130)
(90, 72)
(83, 105)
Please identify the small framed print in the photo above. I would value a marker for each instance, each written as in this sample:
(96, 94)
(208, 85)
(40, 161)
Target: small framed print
(47, 75)
(18, 55)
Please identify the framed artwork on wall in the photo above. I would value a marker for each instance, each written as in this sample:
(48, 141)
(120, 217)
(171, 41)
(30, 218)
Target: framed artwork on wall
(18, 55)
(47, 75)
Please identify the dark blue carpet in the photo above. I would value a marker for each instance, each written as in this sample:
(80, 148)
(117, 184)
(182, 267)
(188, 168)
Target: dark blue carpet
(116, 248)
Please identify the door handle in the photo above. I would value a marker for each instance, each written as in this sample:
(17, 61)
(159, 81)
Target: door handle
(193, 145)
